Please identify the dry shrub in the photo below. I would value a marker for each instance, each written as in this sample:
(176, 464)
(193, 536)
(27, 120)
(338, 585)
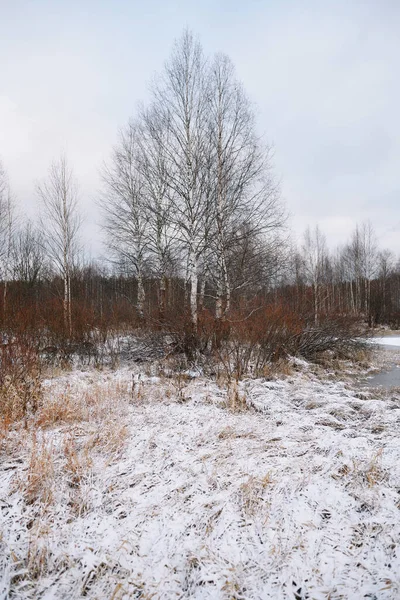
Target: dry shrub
(261, 336)
(338, 334)
(258, 335)
(20, 380)
(5, 423)
(211, 331)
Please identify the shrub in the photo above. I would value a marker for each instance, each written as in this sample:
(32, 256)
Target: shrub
(269, 334)
(20, 379)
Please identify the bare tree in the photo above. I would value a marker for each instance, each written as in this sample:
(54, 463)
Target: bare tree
(162, 233)
(180, 99)
(369, 264)
(7, 226)
(245, 198)
(124, 208)
(361, 258)
(29, 254)
(60, 223)
(189, 183)
(314, 258)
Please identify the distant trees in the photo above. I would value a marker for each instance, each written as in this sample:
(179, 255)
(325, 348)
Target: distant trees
(314, 253)
(60, 223)
(357, 280)
(7, 227)
(29, 255)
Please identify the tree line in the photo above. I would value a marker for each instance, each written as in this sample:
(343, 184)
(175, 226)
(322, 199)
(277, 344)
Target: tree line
(195, 227)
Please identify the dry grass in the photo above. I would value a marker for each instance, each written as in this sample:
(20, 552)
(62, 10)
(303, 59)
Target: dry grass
(252, 495)
(231, 433)
(5, 423)
(90, 425)
(20, 394)
(279, 368)
(372, 473)
(233, 491)
(235, 401)
(94, 405)
(37, 559)
(110, 438)
(61, 409)
(37, 482)
(78, 462)
(359, 474)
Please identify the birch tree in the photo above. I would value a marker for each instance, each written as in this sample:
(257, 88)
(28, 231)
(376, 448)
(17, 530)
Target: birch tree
(369, 264)
(159, 209)
(60, 224)
(123, 205)
(246, 202)
(361, 258)
(192, 181)
(180, 98)
(314, 256)
(7, 224)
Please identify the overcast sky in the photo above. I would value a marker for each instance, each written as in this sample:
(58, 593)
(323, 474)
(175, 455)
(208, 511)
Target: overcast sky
(323, 74)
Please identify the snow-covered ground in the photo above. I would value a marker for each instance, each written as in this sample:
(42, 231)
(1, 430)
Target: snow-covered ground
(179, 488)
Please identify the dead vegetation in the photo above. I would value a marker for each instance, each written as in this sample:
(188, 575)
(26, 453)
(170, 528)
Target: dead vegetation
(20, 380)
(117, 473)
(233, 453)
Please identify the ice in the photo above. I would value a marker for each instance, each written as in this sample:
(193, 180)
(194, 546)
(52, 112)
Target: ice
(393, 340)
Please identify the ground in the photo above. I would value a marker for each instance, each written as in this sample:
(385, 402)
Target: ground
(136, 484)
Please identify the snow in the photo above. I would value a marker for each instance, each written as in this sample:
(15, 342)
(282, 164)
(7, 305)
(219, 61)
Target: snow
(297, 496)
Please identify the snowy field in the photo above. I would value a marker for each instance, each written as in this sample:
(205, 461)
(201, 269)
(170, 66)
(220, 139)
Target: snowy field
(180, 488)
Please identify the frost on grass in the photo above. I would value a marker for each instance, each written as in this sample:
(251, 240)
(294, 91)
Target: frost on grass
(171, 491)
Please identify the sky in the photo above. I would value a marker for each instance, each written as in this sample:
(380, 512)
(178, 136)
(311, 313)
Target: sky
(323, 76)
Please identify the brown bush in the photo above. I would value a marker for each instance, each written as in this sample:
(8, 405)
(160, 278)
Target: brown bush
(256, 336)
(20, 379)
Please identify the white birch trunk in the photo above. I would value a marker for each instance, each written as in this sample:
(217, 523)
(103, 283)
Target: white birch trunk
(219, 301)
(193, 275)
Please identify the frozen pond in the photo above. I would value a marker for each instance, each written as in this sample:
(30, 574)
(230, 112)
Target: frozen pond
(391, 377)
(387, 379)
(392, 341)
